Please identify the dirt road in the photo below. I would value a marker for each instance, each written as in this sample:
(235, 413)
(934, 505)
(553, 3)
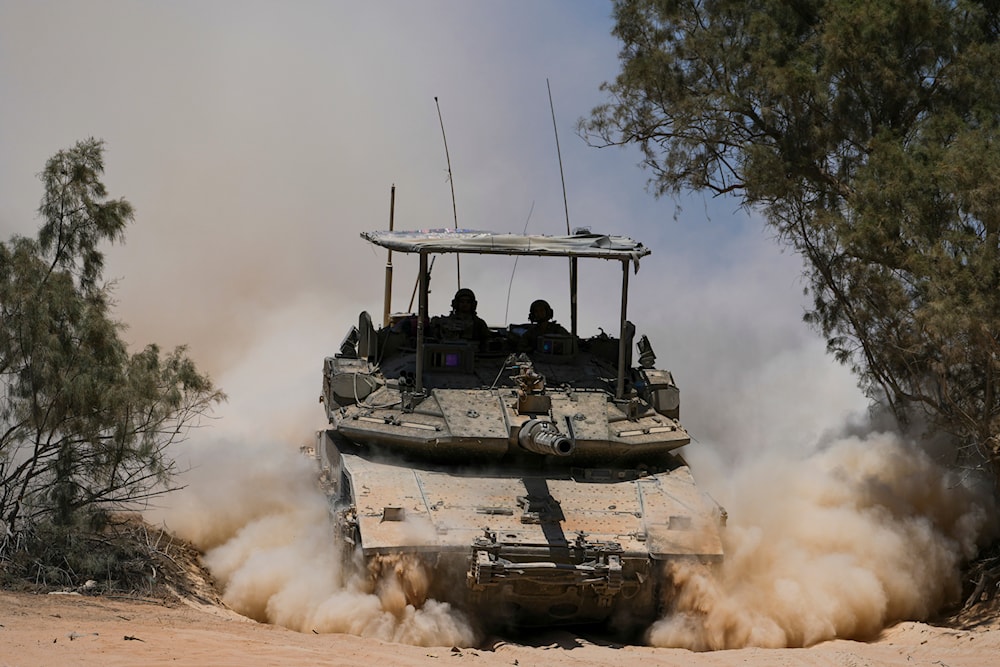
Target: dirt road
(84, 630)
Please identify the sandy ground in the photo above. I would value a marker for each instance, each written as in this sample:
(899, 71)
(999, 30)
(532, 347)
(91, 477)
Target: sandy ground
(83, 630)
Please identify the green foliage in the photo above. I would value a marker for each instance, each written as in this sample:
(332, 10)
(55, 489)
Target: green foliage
(867, 134)
(76, 215)
(84, 424)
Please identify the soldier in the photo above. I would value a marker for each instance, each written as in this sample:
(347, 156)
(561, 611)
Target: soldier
(462, 323)
(540, 315)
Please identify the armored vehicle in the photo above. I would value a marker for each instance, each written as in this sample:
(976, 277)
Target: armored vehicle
(536, 475)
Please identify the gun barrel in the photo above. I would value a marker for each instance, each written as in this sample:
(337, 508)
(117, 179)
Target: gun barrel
(541, 437)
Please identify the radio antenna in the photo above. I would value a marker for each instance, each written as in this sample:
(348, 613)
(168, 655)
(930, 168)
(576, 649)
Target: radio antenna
(387, 299)
(506, 312)
(562, 177)
(451, 181)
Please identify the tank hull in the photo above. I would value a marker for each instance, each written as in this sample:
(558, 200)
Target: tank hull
(521, 544)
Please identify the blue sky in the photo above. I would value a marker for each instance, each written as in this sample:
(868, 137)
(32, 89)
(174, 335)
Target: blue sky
(257, 139)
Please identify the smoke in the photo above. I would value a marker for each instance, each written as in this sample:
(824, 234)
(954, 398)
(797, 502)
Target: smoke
(268, 539)
(863, 533)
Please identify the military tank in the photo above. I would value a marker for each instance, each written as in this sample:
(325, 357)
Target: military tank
(536, 476)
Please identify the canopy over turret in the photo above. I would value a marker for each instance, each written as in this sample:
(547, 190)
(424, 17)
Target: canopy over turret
(584, 244)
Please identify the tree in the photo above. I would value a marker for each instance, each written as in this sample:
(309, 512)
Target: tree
(867, 135)
(85, 425)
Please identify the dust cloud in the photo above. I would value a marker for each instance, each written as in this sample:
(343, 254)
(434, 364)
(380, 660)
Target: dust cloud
(264, 527)
(864, 532)
(828, 536)
(839, 543)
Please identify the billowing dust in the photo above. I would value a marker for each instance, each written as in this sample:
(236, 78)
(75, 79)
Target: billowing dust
(266, 532)
(859, 534)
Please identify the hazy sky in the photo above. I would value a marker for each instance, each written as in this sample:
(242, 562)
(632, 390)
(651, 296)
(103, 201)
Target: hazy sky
(257, 139)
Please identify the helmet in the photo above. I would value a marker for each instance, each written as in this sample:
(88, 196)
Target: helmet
(464, 293)
(547, 310)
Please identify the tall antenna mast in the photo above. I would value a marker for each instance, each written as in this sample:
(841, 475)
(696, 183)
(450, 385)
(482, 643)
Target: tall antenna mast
(451, 181)
(562, 177)
(387, 299)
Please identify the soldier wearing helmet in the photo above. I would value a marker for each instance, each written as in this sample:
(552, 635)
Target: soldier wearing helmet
(462, 323)
(540, 315)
